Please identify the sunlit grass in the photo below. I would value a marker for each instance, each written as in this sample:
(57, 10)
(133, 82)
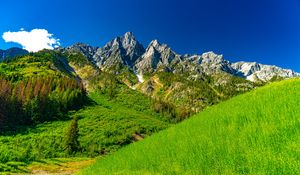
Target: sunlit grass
(254, 133)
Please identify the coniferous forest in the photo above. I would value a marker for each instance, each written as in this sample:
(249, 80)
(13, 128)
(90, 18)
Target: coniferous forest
(38, 99)
(33, 90)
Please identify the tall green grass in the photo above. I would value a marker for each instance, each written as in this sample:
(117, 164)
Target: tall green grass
(254, 133)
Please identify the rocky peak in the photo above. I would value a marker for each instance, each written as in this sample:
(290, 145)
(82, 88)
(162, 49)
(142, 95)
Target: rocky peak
(212, 62)
(126, 41)
(246, 68)
(123, 50)
(212, 57)
(156, 55)
(128, 36)
(154, 43)
(254, 71)
(82, 48)
(133, 48)
(196, 59)
(158, 46)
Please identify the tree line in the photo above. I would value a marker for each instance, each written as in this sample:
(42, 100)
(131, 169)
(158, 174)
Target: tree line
(38, 99)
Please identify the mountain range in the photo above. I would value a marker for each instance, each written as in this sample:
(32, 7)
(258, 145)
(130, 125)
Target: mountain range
(128, 51)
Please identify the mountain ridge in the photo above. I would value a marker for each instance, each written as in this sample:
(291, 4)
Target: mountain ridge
(12, 52)
(127, 51)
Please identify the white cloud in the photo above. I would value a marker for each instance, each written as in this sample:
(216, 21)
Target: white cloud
(33, 41)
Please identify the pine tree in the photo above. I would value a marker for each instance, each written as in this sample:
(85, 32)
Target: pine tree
(71, 142)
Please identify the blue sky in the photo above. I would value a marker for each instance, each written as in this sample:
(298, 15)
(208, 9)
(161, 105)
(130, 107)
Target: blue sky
(265, 31)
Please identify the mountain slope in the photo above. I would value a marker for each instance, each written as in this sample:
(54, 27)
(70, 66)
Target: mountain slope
(254, 133)
(190, 82)
(36, 88)
(11, 53)
(84, 49)
(43, 63)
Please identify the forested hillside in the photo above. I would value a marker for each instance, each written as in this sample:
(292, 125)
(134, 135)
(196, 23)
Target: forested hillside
(36, 88)
(39, 93)
(105, 125)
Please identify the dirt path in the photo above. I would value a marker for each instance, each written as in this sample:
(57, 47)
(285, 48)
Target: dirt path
(137, 137)
(58, 167)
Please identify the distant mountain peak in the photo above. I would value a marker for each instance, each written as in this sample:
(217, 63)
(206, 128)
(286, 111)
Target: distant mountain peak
(78, 45)
(158, 46)
(12, 52)
(254, 71)
(212, 56)
(85, 49)
(156, 55)
(125, 41)
(121, 50)
(155, 43)
(129, 35)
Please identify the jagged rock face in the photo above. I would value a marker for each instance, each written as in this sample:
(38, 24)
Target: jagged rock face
(127, 51)
(246, 69)
(84, 49)
(212, 63)
(189, 62)
(156, 56)
(12, 52)
(123, 50)
(254, 71)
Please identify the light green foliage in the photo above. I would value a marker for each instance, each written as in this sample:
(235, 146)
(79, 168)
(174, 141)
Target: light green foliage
(104, 126)
(194, 94)
(43, 63)
(113, 123)
(254, 133)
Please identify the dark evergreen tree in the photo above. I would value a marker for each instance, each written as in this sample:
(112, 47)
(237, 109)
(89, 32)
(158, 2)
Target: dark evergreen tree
(71, 143)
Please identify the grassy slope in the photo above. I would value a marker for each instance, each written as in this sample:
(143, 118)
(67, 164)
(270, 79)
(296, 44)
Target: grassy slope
(44, 63)
(104, 127)
(254, 133)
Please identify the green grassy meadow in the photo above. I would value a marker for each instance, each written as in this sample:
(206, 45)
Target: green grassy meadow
(254, 133)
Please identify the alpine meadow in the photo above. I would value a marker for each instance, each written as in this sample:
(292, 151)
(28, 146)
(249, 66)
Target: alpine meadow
(258, 133)
(149, 87)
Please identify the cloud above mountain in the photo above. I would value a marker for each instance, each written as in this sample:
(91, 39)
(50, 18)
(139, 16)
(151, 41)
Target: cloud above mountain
(34, 40)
